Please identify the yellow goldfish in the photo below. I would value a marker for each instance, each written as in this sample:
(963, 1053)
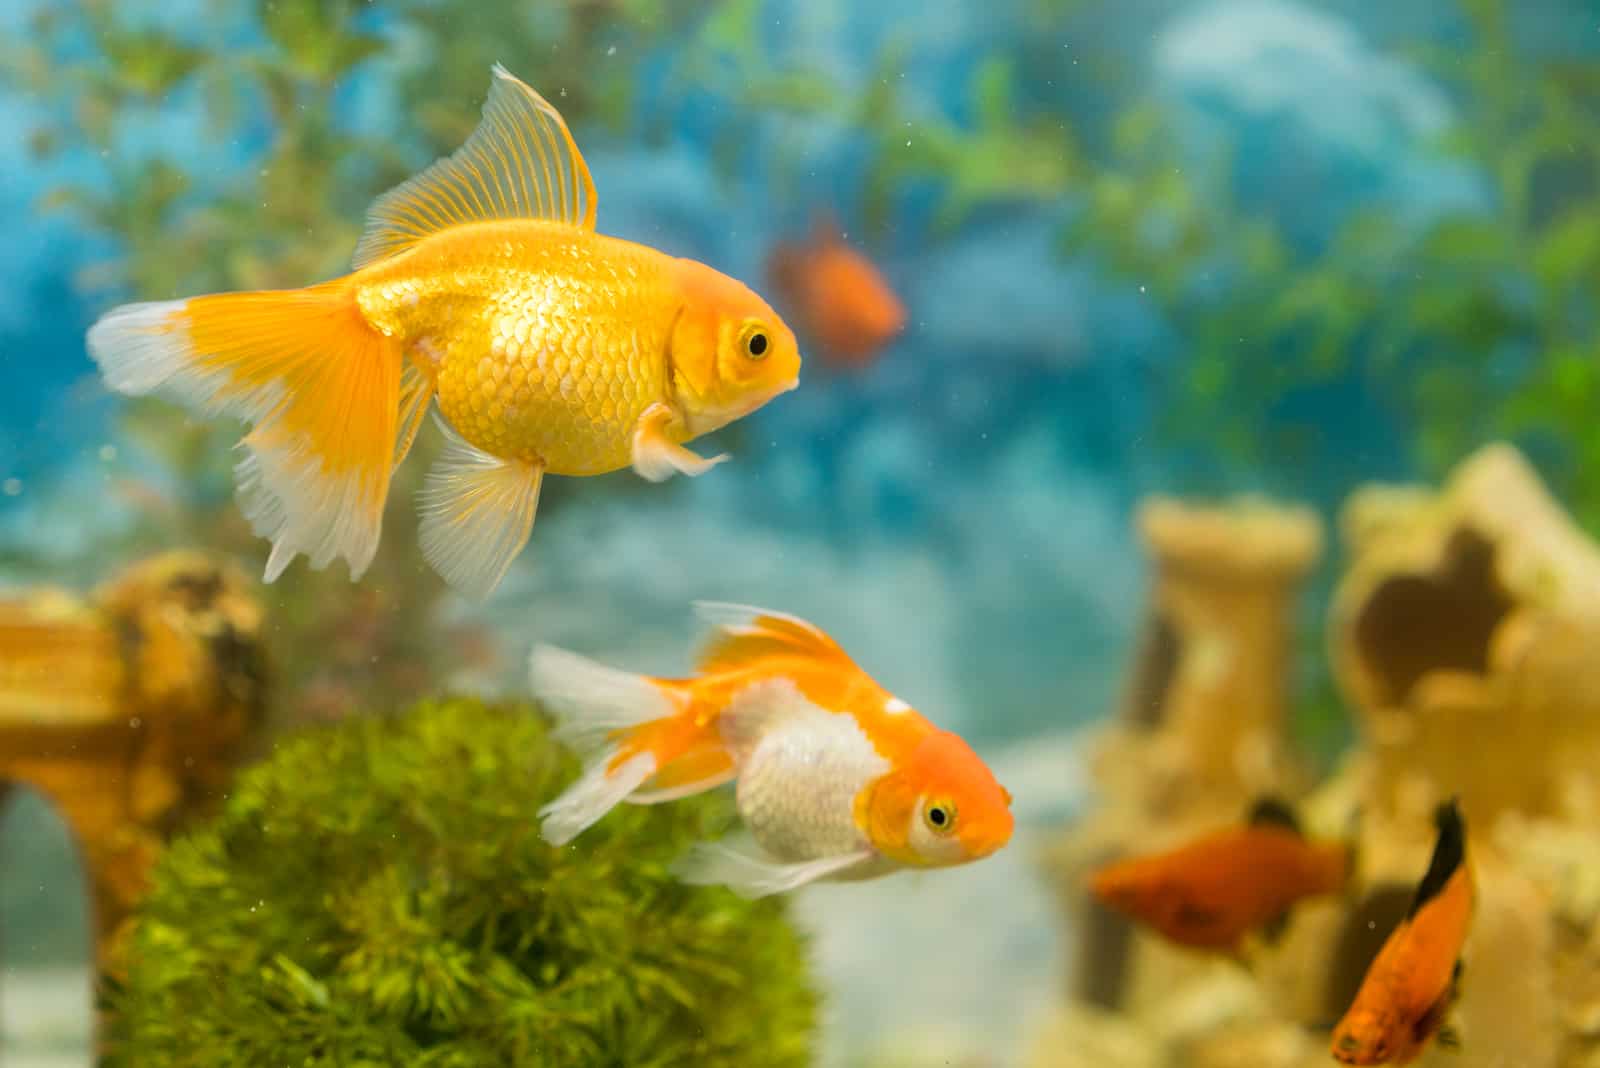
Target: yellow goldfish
(836, 777)
(479, 284)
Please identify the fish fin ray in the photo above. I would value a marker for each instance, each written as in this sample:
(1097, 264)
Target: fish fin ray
(519, 163)
(477, 512)
(416, 391)
(598, 790)
(749, 871)
(319, 387)
(740, 633)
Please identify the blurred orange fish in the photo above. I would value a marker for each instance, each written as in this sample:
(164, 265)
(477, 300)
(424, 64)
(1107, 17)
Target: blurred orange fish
(1210, 893)
(839, 298)
(1415, 978)
(480, 283)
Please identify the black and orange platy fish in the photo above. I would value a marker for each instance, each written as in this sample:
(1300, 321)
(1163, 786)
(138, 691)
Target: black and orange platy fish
(1212, 892)
(1415, 978)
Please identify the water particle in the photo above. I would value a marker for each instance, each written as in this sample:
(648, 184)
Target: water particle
(1141, 289)
(611, 51)
(11, 487)
(135, 722)
(108, 453)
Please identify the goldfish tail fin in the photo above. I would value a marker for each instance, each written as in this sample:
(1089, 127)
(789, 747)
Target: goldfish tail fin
(319, 386)
(477, 513)
(595, 708)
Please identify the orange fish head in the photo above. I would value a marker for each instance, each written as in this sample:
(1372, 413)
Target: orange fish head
(730, 353)
(1369, 1035)
(941, 807)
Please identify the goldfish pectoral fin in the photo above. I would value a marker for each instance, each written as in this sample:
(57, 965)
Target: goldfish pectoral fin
(477, 512)
(598, 790)
(319, 385)
(749, 871)
(657, 457)
(416, 390)
(520, 163)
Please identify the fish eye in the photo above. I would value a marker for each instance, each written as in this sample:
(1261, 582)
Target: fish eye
(755, 342)
(940, 817)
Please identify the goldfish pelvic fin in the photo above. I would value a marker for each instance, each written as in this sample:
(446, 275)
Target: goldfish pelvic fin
(318, 384)
(1273, 812)
(520, 163)
(477, 512)
(416, 390)
(749, 871)
(656, 457)
(741, 633)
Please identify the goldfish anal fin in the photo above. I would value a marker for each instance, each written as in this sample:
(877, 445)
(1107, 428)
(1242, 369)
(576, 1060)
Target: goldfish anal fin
(520, 163)
(1449, 853)
(477, 512)
(319, 385)
(700, 769)
(741, 633)
(1273, 812)
(416, 390)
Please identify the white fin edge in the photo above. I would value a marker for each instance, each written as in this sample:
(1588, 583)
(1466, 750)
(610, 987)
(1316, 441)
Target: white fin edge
(590, 700)
(597, 791)
(477, 512)
(749, 871)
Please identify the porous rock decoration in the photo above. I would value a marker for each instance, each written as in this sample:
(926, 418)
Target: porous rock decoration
(1465, 637)
(128, 709)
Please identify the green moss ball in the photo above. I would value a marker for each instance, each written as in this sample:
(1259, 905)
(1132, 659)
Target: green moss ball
(377, 893)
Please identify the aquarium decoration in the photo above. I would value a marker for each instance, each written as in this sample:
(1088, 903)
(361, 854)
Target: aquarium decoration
(128, 710)
(1462, 633)
(377, 893)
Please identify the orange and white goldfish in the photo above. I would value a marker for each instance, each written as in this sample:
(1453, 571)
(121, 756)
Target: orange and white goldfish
(481, 284)
(1413, 982)
(840, 299)
(836, 778)
(1210, 893)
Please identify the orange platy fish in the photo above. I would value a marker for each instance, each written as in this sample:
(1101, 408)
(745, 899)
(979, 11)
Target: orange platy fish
(1212, 892)
(839, 298)
(482, 284)
(1413, 981)
(836, 777)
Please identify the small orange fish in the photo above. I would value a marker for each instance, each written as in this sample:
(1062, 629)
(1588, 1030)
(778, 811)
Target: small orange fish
(480, 284)
(836, 777)
(1415, 978)
(840, 299)
(1210, 893)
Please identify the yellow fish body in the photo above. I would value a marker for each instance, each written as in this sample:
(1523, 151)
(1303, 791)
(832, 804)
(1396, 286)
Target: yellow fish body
(481, 286)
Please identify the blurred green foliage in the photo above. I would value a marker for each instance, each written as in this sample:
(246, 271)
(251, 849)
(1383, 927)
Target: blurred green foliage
(377, 893)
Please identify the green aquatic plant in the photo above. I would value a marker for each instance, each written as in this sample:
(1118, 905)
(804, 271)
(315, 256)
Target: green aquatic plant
(377, 893)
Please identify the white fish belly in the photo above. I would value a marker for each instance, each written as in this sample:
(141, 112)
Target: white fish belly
(799, 774)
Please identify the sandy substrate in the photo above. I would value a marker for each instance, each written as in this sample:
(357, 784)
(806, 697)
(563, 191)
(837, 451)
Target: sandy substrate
(45, 1018)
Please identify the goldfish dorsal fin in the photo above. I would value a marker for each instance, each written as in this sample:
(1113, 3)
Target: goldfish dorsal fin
(520, 163)
(741, 633)
(1449, 853)
(1273, 812)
